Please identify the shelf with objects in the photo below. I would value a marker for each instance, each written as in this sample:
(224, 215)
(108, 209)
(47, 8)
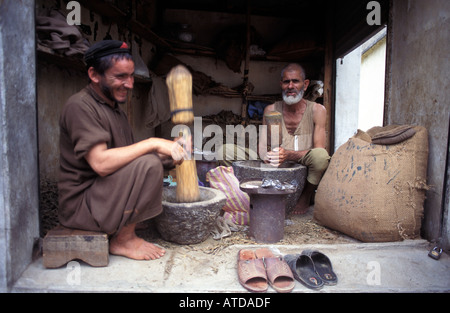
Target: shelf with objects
(48, 55)
(174, 31)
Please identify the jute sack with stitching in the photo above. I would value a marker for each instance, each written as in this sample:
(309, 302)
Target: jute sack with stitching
(375, 192)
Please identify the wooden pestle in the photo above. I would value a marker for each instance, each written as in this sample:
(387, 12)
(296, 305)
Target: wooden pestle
(274, 136)
(179, 84)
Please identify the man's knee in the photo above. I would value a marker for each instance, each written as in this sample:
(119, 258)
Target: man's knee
(320, 159)
(317, 163)
(150, 163)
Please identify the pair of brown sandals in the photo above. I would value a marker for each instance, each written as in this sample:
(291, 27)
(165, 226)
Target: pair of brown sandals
(257, 269)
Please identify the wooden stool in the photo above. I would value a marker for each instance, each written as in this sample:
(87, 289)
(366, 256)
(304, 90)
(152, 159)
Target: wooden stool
(62, 245)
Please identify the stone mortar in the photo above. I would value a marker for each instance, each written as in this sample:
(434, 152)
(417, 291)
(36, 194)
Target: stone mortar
(189, 223)
(288, 172)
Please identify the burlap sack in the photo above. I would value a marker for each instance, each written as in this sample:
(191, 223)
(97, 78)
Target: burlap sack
(375, 193)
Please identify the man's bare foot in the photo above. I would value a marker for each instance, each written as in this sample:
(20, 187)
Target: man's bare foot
(301, 207)
(304, 202)
(127, 244)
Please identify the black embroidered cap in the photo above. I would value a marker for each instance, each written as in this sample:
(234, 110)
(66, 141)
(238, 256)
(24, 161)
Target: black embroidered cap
(104, 48)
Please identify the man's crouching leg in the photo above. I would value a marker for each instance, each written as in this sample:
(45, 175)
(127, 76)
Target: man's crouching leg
(316, 160)
(147, 191)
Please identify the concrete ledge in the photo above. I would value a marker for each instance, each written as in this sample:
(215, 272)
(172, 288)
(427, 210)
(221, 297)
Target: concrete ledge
(383, 267)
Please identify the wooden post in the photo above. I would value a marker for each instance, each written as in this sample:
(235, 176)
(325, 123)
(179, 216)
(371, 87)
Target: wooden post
(328, 93)
(246, 64)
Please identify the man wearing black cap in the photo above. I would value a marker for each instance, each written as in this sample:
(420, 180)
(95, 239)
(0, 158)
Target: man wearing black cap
(108, 182)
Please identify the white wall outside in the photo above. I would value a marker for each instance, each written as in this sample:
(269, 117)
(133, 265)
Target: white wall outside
(360, 89)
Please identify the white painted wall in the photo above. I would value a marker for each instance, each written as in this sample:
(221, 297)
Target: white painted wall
(360, 89)
(371, 100)
(347, 97)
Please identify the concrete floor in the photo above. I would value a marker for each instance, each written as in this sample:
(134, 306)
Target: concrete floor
(382, 267)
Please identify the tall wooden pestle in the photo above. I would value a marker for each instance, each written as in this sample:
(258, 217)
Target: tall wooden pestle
(179, 84)
(274, 121)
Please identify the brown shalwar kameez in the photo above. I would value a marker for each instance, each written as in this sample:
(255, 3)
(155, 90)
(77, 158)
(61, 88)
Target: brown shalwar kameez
(91, 202)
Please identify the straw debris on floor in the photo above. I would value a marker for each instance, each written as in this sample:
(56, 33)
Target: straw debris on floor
(298, 230)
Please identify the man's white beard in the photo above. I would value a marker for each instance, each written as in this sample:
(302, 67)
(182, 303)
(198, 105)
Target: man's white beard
(290, 100)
